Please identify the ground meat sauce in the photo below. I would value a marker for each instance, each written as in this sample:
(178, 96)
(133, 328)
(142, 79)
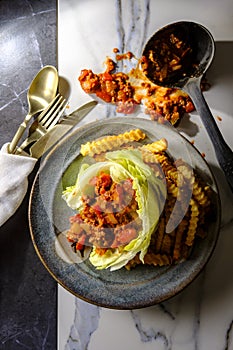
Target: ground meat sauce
(108, 218)
(109, 86)
(167, 59)
(129, 90)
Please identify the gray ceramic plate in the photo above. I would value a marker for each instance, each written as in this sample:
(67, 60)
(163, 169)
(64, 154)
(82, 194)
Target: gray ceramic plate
(48, 215)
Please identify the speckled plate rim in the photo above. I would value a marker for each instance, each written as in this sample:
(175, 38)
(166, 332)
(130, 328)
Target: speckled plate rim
(120, 289)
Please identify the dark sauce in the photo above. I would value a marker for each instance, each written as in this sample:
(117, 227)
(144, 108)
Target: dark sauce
(168, 57)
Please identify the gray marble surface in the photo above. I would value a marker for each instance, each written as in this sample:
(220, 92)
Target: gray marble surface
(28, 294)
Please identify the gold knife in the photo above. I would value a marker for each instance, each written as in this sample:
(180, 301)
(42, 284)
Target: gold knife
(54, 135)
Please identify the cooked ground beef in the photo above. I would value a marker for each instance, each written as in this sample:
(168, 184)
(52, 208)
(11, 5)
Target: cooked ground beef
(108, 218)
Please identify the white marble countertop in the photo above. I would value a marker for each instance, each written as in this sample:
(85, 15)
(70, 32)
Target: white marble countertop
(201, 316)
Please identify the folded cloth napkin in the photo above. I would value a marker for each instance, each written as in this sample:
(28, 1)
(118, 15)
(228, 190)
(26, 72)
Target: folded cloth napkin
(14, 171)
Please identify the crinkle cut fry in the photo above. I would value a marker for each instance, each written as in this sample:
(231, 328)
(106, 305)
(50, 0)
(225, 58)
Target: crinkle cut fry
(157, 146)
(148, 150)
(169, 169)
(193, 222)
(157, 259)
(150, 259)
(178, 173)
(149, 158)
(200, 194)
(159, 234)
(133, 262)
(180, 232)
(110, 142)
(167, 244)
(180, 179)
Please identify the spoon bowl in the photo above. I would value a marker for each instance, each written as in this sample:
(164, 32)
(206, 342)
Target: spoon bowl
(185, 48)
(41, 92)
(42, 89)
(177, 56)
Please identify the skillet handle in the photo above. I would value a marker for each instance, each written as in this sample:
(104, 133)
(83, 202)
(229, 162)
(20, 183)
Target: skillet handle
(223, 152)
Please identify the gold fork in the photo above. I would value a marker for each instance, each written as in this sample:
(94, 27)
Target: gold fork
(45, 121)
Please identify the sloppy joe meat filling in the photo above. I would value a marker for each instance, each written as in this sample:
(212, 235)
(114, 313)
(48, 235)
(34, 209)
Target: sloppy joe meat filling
(108, 218)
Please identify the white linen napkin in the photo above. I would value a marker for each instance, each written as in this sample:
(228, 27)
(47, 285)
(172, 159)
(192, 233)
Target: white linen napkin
(14, 171)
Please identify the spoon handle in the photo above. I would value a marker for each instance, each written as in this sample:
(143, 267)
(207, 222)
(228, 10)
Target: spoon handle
(19, 133)
(223, 152)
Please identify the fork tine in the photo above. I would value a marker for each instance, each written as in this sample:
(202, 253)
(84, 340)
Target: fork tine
(56, 116)
(53, 109)
(43, 114)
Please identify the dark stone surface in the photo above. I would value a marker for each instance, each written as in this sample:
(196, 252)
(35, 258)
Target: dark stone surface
(28, 294)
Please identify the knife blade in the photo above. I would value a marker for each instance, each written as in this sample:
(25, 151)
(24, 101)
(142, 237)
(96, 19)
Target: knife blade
(59, 130)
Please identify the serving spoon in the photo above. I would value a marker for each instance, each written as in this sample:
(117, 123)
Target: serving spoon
(41, 92)
(177, 56)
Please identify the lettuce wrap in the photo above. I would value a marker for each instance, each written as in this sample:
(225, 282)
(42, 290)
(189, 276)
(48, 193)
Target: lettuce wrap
(150, 195)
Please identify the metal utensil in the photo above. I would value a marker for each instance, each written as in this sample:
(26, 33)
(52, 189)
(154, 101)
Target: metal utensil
(45, 121)
(186, 74)
(49, 139)
(41, 92)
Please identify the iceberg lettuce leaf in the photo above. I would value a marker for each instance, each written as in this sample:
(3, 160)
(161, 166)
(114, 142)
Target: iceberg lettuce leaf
(150, 195)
